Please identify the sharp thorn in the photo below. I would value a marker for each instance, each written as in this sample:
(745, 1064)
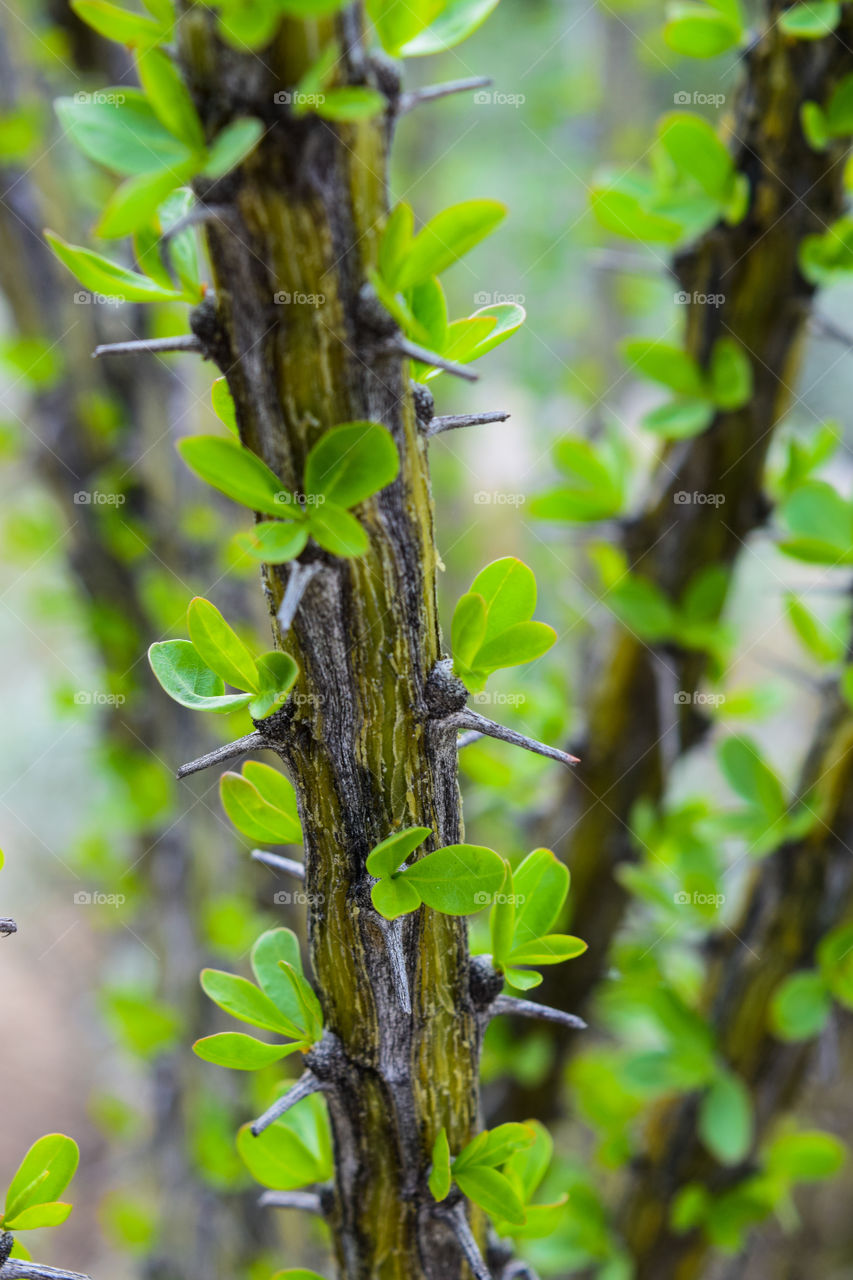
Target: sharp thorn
(305, 1085)
(452, 421)
(279, 863)
(425, 356)
(298, 579)
(433, 92)
(307, 1200)
(518, 1008)
(251, 742)
(468, 719)
(185, 342)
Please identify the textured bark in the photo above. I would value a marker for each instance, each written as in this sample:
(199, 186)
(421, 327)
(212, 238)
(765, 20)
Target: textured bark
(634, 730)
(366, 744)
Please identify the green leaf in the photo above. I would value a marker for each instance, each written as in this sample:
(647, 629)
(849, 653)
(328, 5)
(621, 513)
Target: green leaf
(508, 588)
(554, 948)
(823, 642)
(336, 530)
(597, 491)
(144, 1026)
(278, 672)
(495, 1146)
(730, 374)
(457, 20)
(310, 1013)
(240, 1052)
(693, 145)
(839, 109)
(524, 642)
(220, 647)
(680, 420)
(725, 1119)
(835, 957)
(394, 245)
(439, 1178)
(468, 628)
(387, 856)
(118, 24)
(169, 97)
(393, 898)
(397, 21)
(667, 364)
(800, 1006)
(189, 680)
(810, 1156)
(135, 202)
(273, 541)
(42, 1175)
(492, 1192)
(529, 1164)
(243, 1000)
(40, 1215)
(351, 462)
(698, 31)
(281, 1158)
(274, 787)
(273, 948)
(811, 21)
(821, 521)
(237, 472)
(447, 237)
(351, 103)
(231, 147)
(255, 816)
(119, 129)
(297, 1273)
(457, 880)
(626, 215)
(223, 405)
(99, 275)
(748, 774)
(502, 920)
(541, 885)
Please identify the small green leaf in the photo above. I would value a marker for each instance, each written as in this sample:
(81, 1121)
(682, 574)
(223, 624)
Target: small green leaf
(98, 274)
(119, 25)
(468, 628)
(680, 420)
(243, 1000)
(274, 787)
(456, 21)
(311, 1014)
(255, 816)
(699, 31)
(693, 145)
(541, 884)
(240, 1052)
(508, 588)
(237, 472)
(336, 530)
(502, 920)
(492, 1192)
(810, 1156)
(219, 646)
(351, 103)
(387, 856)
(553, 948)
(169, 97)
(500, 1144)
(811, 21)
(271, 949)
(524, 642)
(351, 462)
(223, 405)
(393, 898)
(625, 214)
(231, 147)
(663, 363)
(186, 678)
(119, 129)
(278, 672)
(42, 1175)
(49, 1214)
(395, 242)
(282, 1158)
(447, 237)
(730, 374)
(800, 1006)
(134, 203)
(457, 880)
(725, 1119)
(439, 1178)
(273, 541)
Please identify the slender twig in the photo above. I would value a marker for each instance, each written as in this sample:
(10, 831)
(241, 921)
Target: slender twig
(468, 739)
(519, 1008)
(251, 742)
(468, 719)
(184, 342)
(307, 1200)
(7, 926)
(392, 932)
(19, 1269)
(279, 863)
(298, 578)
(198, 214)
(452, 421)
(457, 1220)
(416, 352)
(432, 92)
(305, 1085)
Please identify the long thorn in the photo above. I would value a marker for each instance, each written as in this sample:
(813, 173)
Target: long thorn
(457, 1221)
(279, 863)
(307, 1200)
(452, 421)
(432, 92)
(184, 342)
(18, 1269)
(416, 352)
(305, 1085)
(468, 719)
(299, 577)
(251, 742)
(518, 1008)
(392, 932)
